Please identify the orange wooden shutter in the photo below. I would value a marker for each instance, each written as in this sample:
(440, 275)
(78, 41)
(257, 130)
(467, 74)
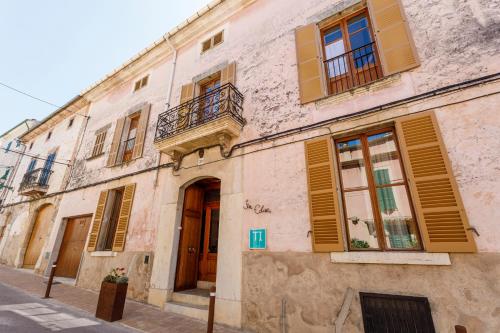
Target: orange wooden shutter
(96, 226)
(187, 94)
(395, 44)
(124, 217)
(228, 74)
(141, 132)
(323, 201)
(441, 214)
(115, 144)
(309, 63)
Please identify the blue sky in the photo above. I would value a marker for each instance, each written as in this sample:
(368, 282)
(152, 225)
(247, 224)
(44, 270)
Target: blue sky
(54, 49)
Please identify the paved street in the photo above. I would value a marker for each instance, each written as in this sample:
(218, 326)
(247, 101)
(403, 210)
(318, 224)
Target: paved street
(24, 287)
(21, 312)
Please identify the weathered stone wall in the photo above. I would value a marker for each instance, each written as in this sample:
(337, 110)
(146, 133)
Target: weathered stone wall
(21, 220)
(104, 112)
(465, 293)
(94, 269)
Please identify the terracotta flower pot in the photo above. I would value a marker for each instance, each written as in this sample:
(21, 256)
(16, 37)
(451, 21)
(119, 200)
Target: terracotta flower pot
(111, 301)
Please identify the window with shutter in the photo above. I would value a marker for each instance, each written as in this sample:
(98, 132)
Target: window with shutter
(98, 148)
(396, 47)
(323, 202)
(115, 144)
(309, 63)
(377, 208)
(213, 41)
(142, 128)
(442, 217)
(141, 83)
(187, 94)
(353, 48)
(124, 217)
(96, 225)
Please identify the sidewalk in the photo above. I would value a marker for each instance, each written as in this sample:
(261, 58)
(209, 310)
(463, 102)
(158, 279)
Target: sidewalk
(136, 315)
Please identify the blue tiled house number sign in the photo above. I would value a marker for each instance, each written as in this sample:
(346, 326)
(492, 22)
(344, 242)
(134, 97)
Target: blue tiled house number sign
(257, 239)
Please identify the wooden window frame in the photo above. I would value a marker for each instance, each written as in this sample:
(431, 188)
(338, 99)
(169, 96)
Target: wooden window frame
(372, 190)
(210, 42)
(342, 22)
(133, 117)
(98, 149)
(139, 84)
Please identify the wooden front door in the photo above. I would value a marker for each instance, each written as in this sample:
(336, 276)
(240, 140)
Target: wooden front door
(187, 261)
(38, 236)
(72, 246)
(209, 243)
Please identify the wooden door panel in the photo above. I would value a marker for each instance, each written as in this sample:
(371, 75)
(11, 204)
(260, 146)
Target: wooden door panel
(72, 247)
(208, 259)
(38, 236)
(187, 262)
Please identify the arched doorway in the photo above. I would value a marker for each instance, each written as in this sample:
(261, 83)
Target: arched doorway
(38, 236)
(198, 242)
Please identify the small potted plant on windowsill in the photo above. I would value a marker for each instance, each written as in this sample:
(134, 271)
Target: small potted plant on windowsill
(112, 295)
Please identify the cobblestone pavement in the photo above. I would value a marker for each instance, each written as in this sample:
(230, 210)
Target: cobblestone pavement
(140, 316)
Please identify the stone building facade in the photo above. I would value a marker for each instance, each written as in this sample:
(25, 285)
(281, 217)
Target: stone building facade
(317, 161)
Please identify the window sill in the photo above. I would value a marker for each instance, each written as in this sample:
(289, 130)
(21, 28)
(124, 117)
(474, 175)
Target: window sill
(391, 258)
(103, 254)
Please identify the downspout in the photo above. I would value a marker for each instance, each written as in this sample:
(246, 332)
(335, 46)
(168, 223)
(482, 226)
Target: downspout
(169, 96)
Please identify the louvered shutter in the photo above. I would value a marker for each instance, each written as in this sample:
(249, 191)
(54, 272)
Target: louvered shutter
(440, 211)
(228, 74)
(96, 225)
(141, 132)
(187, 94)
(124, 217)
(115, 144)
(309, 63)
(323, 201)
(395, 44)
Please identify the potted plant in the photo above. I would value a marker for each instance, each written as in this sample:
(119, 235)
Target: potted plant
(112, 295)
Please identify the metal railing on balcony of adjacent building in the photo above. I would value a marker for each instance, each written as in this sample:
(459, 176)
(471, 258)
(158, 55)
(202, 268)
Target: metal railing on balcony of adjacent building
(38, 178)
(352, 69)
(223, 101)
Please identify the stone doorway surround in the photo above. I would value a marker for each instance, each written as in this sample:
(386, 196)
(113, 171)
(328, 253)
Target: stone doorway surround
(229, 266)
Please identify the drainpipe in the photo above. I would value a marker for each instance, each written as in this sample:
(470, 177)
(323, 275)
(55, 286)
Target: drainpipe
(169, 95)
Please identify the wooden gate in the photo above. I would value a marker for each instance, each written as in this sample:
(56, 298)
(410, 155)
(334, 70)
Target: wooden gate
(73, 243)
(38, 236)
(396, 314)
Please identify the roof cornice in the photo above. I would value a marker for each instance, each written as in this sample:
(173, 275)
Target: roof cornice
(67, 110)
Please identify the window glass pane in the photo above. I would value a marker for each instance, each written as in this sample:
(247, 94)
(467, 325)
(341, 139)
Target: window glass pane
(357, 23)
(399, 226)
(352, 164)
(333, 35)
(385, 159)
(360, 221)
(214, 230)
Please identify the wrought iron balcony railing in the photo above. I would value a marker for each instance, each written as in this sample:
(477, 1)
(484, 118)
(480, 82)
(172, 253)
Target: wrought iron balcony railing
(223, 101)
(38, 178)
(354, 68)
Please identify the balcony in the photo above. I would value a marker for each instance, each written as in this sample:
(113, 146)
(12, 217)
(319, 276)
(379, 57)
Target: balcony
(35, 183)
(352, 69)
(214, 118)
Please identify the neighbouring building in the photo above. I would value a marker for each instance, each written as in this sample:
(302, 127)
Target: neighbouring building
(322, 163)
(11, 152)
